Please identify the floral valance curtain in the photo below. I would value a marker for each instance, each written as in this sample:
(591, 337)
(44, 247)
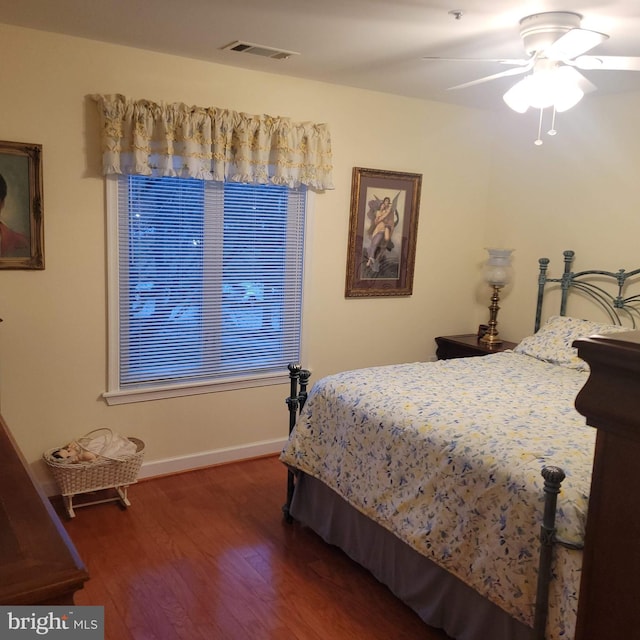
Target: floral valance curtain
(147, 138)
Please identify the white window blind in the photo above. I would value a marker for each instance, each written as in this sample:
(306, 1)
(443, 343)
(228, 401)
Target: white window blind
(209, 280)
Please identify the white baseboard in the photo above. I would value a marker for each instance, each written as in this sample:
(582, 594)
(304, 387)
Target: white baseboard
(194, 461)
(210, 458)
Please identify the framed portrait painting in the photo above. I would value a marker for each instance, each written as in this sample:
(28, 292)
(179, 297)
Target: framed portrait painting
(21, 227)
(382, 233)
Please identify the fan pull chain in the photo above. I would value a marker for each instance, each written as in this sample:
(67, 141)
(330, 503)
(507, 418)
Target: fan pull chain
(538, 142)
(552, 131)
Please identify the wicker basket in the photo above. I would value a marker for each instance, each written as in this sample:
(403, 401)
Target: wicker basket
(87, 477)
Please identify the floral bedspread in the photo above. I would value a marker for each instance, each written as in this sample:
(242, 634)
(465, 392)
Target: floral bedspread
(447, 455)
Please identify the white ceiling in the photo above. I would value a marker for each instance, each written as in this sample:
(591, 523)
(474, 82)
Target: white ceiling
(372, 44)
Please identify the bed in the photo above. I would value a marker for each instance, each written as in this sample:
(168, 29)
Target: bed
(442, 478)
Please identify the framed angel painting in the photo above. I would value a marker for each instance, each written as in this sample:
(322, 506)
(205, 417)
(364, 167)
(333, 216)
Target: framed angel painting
(382, 233)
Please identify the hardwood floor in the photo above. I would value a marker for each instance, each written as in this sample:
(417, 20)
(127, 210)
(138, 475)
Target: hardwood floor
(207, 555)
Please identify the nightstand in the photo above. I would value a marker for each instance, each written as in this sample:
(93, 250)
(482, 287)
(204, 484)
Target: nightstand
(467, 345)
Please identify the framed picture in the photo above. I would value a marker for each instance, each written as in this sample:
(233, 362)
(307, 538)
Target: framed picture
(21, 228)
(382, 233)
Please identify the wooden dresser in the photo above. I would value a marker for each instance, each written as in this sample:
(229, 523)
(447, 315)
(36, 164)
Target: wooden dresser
(38, 562)
(610, 401)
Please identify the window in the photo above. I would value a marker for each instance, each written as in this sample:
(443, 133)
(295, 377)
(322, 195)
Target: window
(208, 285)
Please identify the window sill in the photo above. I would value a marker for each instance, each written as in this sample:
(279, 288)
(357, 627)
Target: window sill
(192, 389)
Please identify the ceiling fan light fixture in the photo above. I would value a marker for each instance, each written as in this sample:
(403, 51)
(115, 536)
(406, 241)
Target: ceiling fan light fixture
(557, 87)
(517, 98)
(543, 89)
(568, 98)
(567, 90)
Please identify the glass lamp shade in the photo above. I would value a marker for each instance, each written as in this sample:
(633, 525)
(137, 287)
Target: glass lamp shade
(568, 92)
(555, 86)
(542, 89)
(497, 269)
(517, 98)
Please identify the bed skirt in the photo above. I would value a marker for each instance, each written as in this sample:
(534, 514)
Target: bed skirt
(440, 599)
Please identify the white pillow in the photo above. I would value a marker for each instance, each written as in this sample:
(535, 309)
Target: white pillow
(552, 343)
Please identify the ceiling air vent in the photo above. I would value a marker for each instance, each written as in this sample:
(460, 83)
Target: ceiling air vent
(259, 50)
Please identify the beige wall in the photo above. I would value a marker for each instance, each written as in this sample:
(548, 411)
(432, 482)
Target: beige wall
(53, 339)
(484, 183)
(579, 190)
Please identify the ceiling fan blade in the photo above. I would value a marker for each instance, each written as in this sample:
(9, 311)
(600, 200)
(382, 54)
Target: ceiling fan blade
(503, 74)
(585, 85)
(574, 43)
(607, 63)
(514, 61)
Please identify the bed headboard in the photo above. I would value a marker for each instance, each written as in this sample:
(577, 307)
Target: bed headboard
(605, 288)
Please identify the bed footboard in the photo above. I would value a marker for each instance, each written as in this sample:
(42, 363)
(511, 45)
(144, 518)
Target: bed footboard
(299, 379)
(553, 477)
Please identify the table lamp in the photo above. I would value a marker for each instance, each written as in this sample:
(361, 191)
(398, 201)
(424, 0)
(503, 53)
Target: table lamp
(497, 273)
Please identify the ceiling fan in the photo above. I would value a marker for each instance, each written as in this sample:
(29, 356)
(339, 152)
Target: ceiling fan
(555, 45)
(554, 39)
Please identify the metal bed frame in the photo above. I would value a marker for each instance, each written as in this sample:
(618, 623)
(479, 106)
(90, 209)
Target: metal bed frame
(617, 307)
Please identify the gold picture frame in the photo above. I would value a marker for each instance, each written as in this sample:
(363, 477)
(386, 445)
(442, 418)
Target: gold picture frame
(21, 224)
(382, 233)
